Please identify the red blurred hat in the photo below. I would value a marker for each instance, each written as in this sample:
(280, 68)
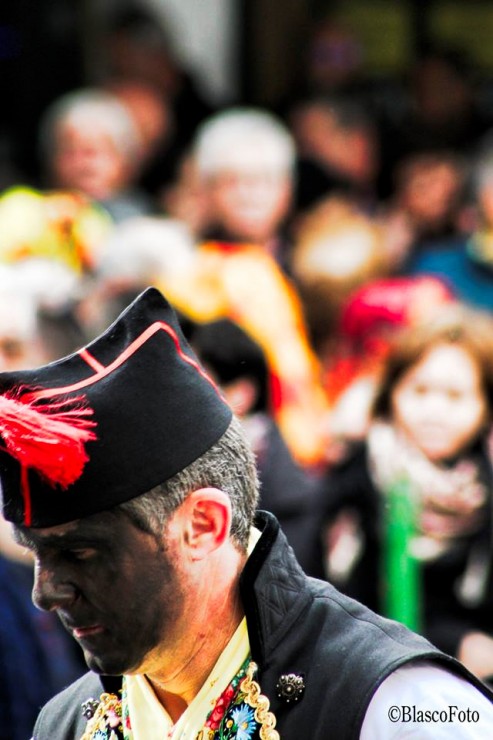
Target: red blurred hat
(383, 305)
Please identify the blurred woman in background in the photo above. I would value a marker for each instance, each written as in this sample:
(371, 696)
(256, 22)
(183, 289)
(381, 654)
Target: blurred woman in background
(410, 510)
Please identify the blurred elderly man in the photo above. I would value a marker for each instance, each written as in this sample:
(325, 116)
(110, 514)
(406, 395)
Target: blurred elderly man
(90, 143)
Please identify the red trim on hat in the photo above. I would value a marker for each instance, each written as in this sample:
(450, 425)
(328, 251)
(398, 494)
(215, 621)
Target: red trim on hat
(26, 495)
(102, 372)
(91, 361)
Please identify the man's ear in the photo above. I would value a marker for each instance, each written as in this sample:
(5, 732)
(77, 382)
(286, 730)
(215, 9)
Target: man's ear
(205, 521)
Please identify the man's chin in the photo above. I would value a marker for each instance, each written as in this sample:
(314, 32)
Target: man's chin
(107, 665)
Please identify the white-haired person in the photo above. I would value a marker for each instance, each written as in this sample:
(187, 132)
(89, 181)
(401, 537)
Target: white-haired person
(244, 162)
(90, 143)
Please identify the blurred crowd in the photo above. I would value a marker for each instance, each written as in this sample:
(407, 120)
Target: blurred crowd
(331, 261)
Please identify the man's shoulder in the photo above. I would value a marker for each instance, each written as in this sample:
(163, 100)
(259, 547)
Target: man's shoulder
(62, 717)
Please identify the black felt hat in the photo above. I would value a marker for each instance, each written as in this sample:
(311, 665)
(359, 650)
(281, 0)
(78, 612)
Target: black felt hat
(109, 422)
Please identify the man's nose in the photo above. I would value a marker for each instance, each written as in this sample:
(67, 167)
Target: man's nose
(50, 591)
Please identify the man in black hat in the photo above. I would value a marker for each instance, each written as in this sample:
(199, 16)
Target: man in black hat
(125, 473)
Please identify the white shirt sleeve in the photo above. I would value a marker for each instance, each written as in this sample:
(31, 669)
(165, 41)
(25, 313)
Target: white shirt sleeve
(426, 701)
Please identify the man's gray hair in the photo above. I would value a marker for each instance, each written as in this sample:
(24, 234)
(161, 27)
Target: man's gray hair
(229, 465)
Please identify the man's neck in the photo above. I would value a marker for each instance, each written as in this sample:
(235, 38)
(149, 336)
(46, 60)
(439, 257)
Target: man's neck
(209, 634)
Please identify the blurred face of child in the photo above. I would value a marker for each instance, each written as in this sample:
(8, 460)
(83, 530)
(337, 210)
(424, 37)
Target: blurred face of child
(440, 403)
(89, 161)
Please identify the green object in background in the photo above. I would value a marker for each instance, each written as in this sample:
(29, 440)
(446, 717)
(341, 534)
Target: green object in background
(401, 571)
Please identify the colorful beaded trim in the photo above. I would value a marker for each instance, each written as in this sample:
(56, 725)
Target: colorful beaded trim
(241, 712)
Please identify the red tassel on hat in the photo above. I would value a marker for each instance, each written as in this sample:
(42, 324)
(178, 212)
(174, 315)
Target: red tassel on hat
(47, 438)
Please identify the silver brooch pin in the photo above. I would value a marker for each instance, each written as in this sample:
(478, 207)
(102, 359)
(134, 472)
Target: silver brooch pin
(290, 687)
(89, 708)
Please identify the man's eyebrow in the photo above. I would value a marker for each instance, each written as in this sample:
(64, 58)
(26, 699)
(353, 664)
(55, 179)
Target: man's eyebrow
(69, 539)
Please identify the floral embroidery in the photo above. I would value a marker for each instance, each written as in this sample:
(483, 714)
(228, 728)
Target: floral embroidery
(127, 725)
(243, 718)
(215, 717)
(241, 712)
(230, 716)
